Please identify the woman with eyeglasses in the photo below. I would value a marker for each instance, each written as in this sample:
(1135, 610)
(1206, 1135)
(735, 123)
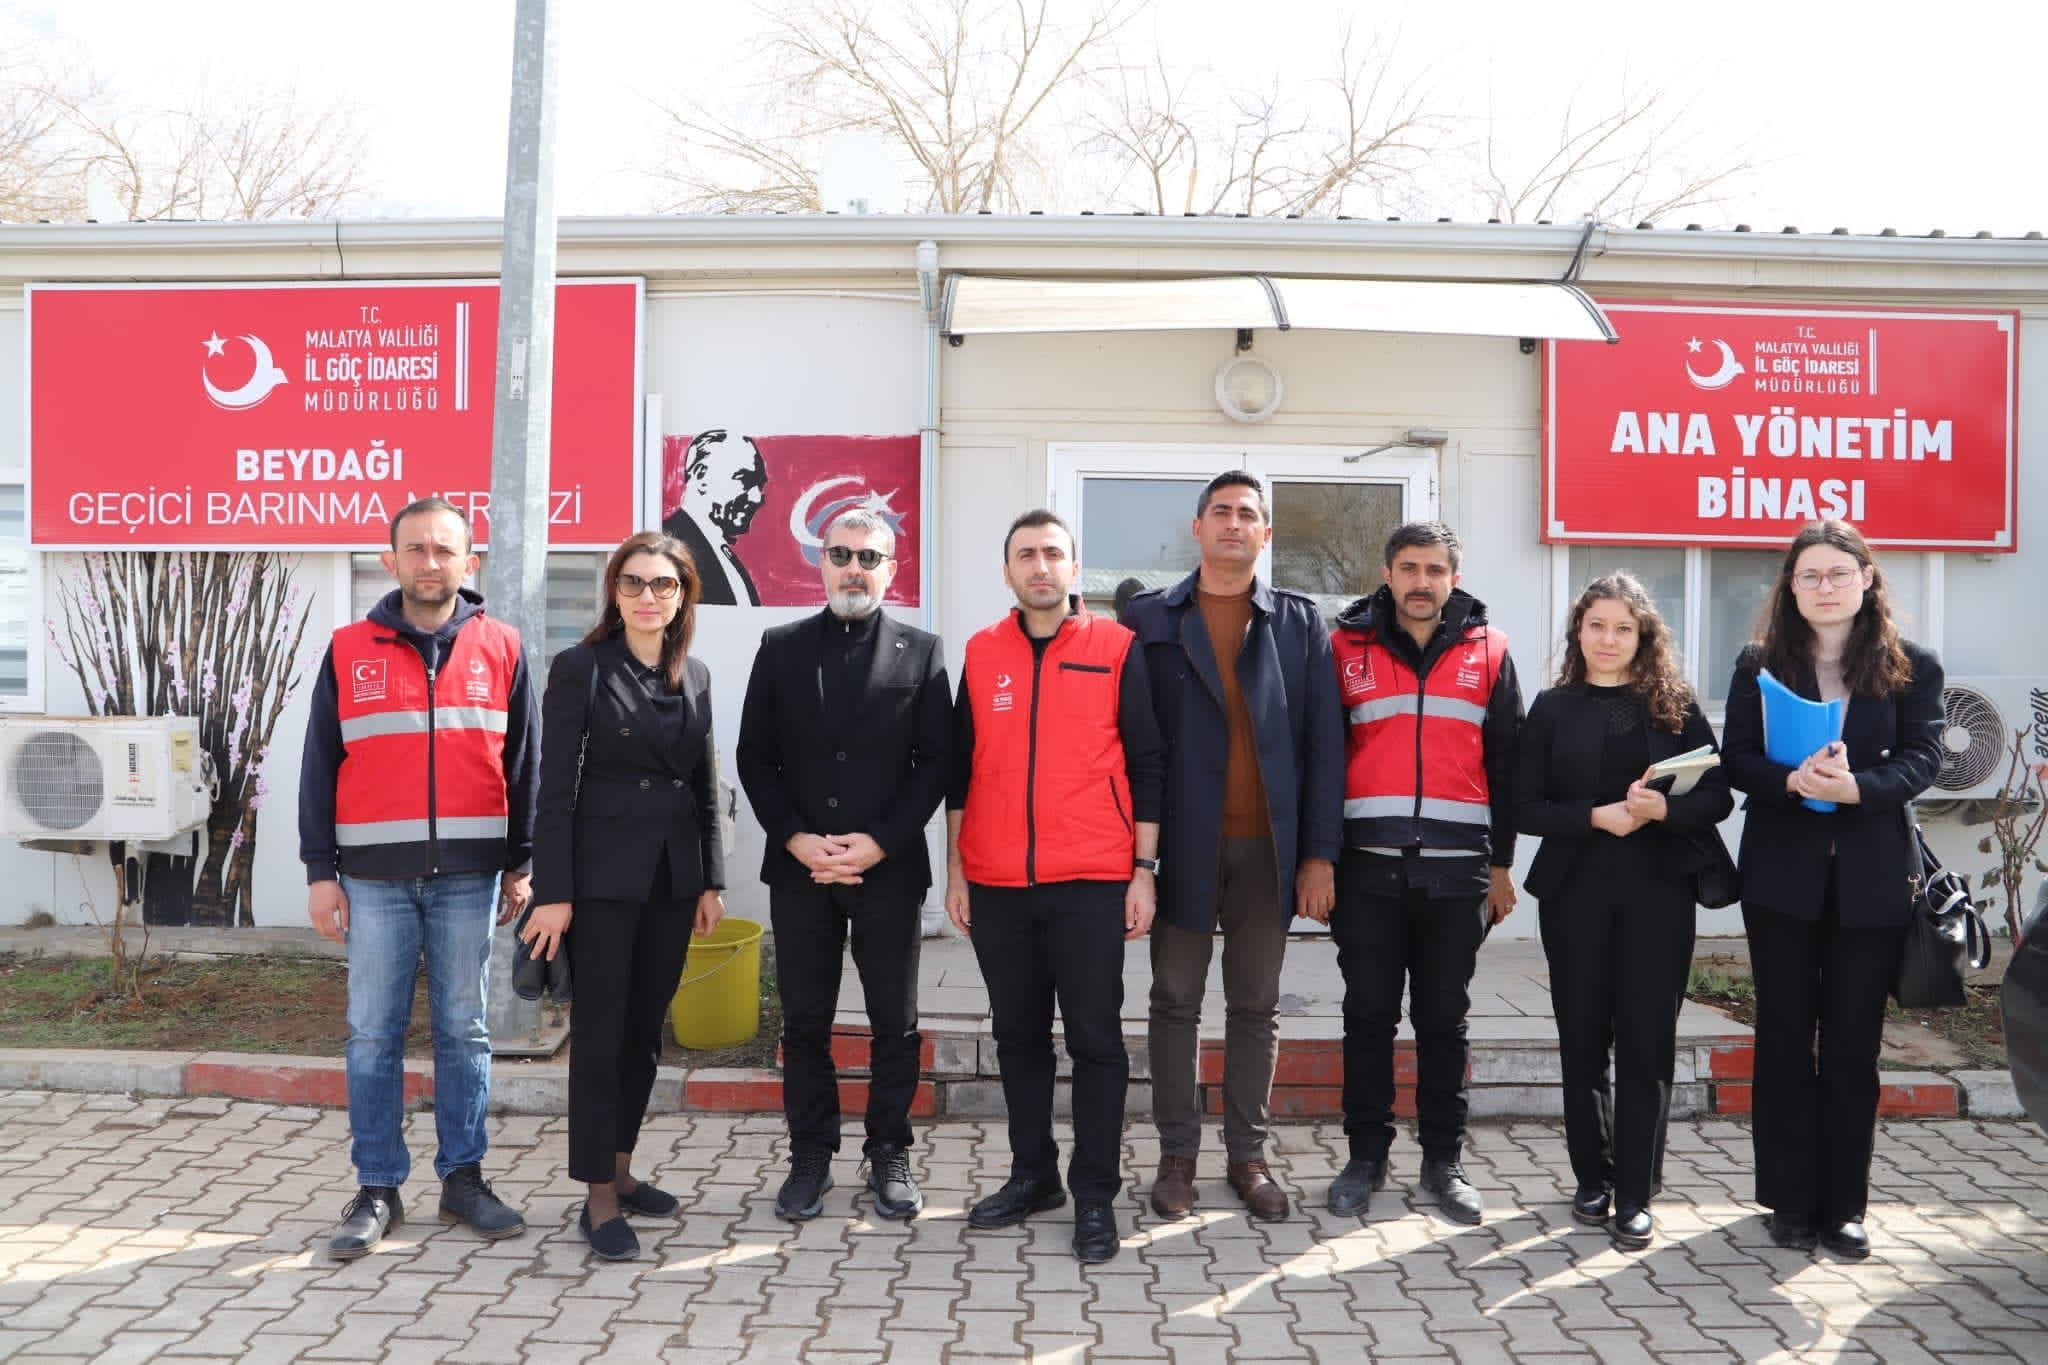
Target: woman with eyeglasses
(1614, 886)
(1824, 891)
(627, 859)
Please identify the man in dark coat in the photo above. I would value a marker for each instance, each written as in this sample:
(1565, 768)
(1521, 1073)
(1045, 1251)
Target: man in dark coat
(1247, 703)
(845, 737)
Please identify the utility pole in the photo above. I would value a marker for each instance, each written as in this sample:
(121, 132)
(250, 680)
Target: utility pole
(520, 422)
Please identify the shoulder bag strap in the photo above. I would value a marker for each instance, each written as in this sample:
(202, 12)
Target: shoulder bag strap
(589, 706)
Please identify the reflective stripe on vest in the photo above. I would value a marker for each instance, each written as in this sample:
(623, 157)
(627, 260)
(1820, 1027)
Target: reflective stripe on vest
(1048, 794)
(416, 831)
(1428, 808)
(415, 722)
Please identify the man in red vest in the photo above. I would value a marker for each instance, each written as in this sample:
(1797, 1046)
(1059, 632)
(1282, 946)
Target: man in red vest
(416, 797)
(1435, 715)
(1052, 837)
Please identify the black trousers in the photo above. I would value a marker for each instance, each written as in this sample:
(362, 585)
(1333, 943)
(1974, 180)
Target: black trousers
(1430, 944)
(1619, 955)
(1815, 1117)
(812, 924)
(625, 961)
(1059, 942)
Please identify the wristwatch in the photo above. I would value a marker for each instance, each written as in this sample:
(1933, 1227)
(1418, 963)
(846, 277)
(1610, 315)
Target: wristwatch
(1148, 864)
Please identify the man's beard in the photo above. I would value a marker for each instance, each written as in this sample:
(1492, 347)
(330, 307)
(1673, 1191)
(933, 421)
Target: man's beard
(849, 604)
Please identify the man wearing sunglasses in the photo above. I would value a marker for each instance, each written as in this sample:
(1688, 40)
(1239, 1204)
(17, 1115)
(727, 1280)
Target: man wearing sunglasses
(844, 741)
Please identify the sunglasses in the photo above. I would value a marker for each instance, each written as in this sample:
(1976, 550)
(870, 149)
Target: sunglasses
(632, 585)
(869, 559)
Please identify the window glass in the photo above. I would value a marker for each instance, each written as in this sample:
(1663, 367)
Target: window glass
(1135, 528)
(1738, 584)
(1661, 571)
(14, 604)
(571, 578)
(1329, 539)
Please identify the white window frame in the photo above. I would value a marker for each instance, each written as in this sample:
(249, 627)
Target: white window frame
(1069, 463)
(1563, 592)
(32, 701)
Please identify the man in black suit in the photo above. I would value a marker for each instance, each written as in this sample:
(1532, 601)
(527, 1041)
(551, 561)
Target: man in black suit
(843, 750)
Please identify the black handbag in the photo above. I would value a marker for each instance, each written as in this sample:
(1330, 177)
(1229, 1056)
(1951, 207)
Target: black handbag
(1716, 880)
(532, 975)
(1945, 936)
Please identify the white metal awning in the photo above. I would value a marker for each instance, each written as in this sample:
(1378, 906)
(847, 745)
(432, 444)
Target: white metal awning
(989, 304)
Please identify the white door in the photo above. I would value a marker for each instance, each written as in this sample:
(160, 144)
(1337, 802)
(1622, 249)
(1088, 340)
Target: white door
(1132, 507)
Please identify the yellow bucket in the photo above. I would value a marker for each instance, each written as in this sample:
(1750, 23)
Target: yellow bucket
(718, 1003)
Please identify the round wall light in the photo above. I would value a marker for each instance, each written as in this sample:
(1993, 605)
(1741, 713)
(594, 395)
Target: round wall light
(1248, 389)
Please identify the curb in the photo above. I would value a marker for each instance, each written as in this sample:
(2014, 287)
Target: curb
(1507, 1081)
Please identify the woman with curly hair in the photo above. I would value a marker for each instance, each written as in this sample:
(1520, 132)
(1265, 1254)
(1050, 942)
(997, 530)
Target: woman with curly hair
(1614, 886)
(1825, 897)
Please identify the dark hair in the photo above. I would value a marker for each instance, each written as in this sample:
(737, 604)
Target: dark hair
(1874, 663)
(1653, 674)
(1423, 533)
(1233, 478)
(434, 504)
(675, 641)
(1037, 516)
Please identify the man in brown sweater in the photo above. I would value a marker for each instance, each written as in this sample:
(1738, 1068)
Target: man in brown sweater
(1247, 702)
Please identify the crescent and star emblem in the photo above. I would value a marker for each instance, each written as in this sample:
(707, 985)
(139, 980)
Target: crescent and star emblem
(265, 378)
(1002, 680)
(800, 513)
(1719, 379)
(365, 671)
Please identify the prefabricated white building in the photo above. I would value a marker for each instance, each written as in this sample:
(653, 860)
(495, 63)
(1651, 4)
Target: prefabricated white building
(821, 341)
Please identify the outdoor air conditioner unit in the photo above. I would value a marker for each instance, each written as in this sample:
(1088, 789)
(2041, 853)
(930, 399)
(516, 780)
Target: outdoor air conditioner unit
(130, 778)
(1976, 741)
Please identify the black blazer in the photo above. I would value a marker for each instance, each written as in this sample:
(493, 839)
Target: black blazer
(638, 797)
(1894, 750)
(884, 778)
(1558, 784)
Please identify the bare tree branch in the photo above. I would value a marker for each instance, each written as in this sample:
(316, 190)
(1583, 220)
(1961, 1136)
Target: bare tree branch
(1626, 165)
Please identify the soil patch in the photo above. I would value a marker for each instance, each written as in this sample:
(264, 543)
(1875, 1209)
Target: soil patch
(256, 1002)
(1968, 1037)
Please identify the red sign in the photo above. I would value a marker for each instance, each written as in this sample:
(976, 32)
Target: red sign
(1713, 424)
(753, 509)
(305, 416)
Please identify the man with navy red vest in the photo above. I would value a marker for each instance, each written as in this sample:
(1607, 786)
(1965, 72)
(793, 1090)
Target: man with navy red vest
(416, 796)
(1052, 833)
(1434, 718)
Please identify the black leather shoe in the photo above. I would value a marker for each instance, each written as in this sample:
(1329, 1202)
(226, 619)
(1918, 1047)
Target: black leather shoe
(1590, 1205)
(896, 1194)
(1791, 1231)
(1454, 1193)
(613, 1240)
(648, 1202)
(1846, 1239)
(1019, 1198)
(1632, 1227)
(374, 1211)
(1095, 1238)
(802, 1196)
(1353, 1188)
(465, 1198)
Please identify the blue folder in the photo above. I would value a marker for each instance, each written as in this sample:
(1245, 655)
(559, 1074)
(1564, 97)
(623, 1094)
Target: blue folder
(1795, 728)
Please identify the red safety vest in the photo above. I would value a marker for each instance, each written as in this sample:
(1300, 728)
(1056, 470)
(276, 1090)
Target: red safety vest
(423, 755)
(1048, 798)
(1414, 752)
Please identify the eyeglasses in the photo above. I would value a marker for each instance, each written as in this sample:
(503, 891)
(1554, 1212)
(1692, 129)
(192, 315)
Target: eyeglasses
(632, 585)
(869, 559)
(1841, 576)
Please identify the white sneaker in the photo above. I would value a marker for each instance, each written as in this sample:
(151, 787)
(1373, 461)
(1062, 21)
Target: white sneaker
(937, 924)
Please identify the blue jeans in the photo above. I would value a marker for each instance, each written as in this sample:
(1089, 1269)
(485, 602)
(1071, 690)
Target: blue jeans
(389, 923)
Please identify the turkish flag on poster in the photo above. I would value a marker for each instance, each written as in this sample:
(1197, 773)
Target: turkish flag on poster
(307, 415)
(753, 509)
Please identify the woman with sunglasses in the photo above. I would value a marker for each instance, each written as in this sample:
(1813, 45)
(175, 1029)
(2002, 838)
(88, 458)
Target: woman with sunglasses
(1824, 891)
(627, 859)
(1615, 888)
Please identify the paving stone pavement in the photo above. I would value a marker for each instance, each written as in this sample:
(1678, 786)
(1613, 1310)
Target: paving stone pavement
(193, 1229)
